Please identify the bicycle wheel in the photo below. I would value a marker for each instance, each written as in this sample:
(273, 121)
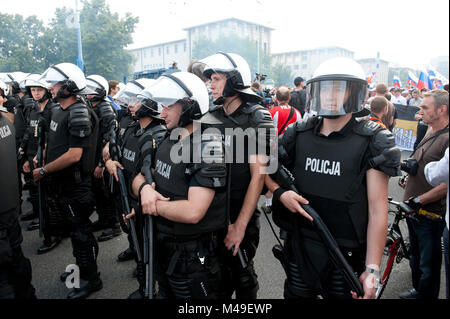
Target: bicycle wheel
(387, 263)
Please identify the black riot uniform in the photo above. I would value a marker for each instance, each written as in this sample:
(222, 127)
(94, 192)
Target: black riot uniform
(53, 221)
(138, 143)
(187, 261)
(330, 172)
(76, 126)
(243, 281)
(15, 269)
(107, 216)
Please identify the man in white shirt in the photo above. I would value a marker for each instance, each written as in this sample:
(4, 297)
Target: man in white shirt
(397, 98)
(437, 173)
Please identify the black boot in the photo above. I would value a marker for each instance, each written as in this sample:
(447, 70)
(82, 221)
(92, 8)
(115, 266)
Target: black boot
(86, 288)
(126, 255)
(138, 294)
(48, 245)
(110, 233)
(33, 225)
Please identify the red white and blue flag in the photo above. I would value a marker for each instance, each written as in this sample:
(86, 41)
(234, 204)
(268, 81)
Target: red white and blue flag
(423, 81)
(397, 82)
(412, 79)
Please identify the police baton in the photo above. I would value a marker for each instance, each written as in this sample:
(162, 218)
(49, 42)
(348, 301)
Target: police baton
(285, 178)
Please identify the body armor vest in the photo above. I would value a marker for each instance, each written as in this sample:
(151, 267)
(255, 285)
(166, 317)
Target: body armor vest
(325, 171)
(36, 116)
(9, 186)
(58, 140)
(133, 140)
(173, 182)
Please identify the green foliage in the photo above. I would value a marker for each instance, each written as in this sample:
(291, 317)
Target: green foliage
(20, 44)
(282, 75)
(28, 46)
(245, 47)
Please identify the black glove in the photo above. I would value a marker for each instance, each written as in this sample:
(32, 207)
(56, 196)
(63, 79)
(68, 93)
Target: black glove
(414, 203)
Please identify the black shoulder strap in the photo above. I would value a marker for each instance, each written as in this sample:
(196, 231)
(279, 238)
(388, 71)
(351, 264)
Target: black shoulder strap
(291, 114)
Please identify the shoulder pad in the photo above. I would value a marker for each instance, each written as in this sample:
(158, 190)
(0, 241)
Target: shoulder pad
(79, 121)
(211, 172)
(306, 125)
(260, 117)
(386, 156)
(159, 133)
(106, 110)
(367, 128)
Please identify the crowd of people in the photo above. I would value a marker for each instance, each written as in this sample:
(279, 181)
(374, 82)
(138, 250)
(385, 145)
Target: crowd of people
(179, 165)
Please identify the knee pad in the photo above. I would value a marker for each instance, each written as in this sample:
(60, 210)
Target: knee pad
(336, 287)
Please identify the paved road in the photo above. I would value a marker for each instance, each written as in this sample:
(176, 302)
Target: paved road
(117, 277)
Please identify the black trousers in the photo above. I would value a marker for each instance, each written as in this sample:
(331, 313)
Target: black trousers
(187, 268)
(332, 283)
(76, 203)
(236, 278)
(104, 201)
(15, 268)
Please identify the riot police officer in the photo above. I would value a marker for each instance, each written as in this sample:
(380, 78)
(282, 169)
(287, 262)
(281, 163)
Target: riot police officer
(188, 198)
(230, 85)
(341, 167)
(127, 119)
(40, 105)
(69, 163)
(139, 145)
(15, 269)
(107, 217)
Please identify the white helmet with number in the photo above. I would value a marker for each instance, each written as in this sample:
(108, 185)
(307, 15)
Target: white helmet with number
(338, 87)
(72, 79)
(184, 88)
(238, 75)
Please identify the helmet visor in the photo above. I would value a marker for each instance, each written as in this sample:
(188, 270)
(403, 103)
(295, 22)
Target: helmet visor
(336, 97)
(167, 92)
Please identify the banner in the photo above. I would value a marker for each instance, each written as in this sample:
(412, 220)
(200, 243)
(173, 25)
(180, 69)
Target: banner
(405, 130)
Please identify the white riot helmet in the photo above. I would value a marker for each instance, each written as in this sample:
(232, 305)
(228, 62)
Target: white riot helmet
(70, 76)
(35, 80)
(98, 84)
(184, 88)
(14, 79)
(4, 89)
(128, 94)
(238, 75)
(338, 87)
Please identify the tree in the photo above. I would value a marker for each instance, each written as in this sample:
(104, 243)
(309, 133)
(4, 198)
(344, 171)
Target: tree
(21, 44)
(26, 45)
(245, 47)
(282, 75)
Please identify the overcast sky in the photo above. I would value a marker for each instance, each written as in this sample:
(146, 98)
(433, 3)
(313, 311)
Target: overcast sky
(405, 32)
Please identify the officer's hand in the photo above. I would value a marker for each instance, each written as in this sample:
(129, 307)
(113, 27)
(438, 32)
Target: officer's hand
(37, 176)
(26, 167)
(98, 172)
(35, 162)
(112, 166)
(148, 200)
(369, 282)
(234, 237)
(291, 200)
(131, 215)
